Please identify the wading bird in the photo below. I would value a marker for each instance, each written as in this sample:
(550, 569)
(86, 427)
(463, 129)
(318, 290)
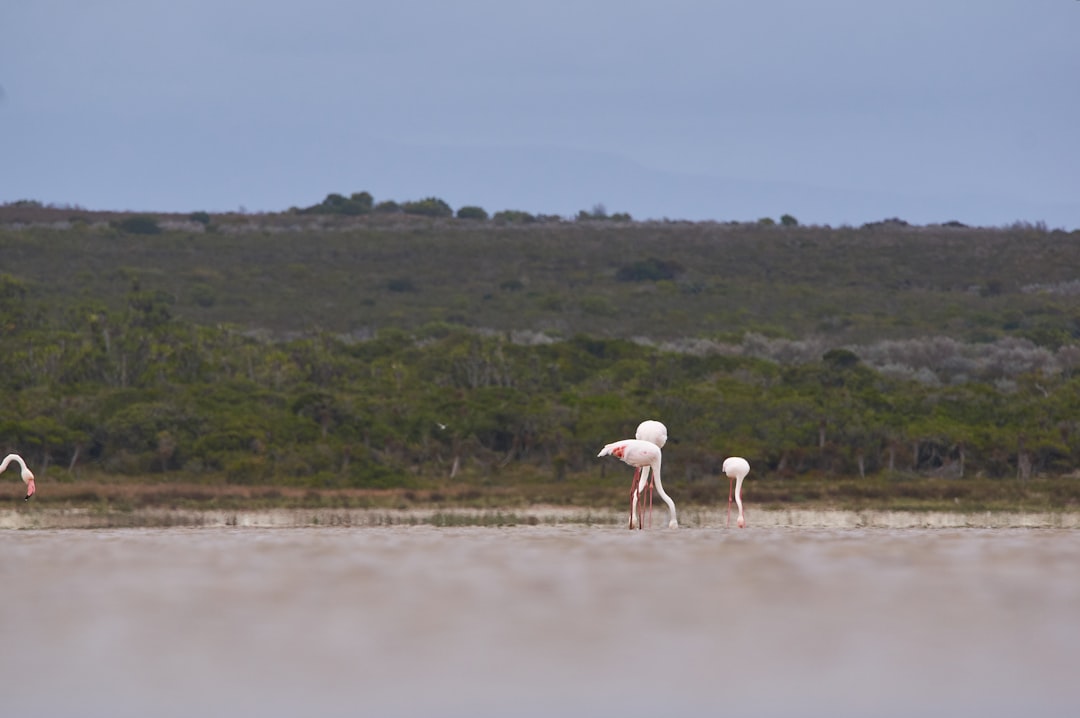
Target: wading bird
(654, 431)
(736, 467)
(643, 455)
(27, 475)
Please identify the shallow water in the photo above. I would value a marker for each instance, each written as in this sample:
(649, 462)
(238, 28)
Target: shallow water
(530, 621)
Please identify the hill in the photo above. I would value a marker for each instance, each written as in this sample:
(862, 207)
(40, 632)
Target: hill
(290, 273)
(308, 358)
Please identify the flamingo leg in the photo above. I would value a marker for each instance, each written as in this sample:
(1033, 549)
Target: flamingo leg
(728, 524)
(645, 495)
(649, 489)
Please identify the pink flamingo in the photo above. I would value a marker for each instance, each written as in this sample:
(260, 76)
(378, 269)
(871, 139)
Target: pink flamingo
(646, 456)
(736, 467)
(656, 432)
(27, 475)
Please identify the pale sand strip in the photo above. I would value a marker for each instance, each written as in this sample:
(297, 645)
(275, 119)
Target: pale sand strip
(690, 518)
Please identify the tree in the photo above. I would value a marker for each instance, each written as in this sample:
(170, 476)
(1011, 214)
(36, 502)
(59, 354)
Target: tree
(13, 309)
(651, 269)
(429, 207)
(139, 224)
(357, 203)
(514, 216)
(471, 212)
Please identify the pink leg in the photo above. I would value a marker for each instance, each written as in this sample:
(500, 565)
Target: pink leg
(729, 503)
(649, 489)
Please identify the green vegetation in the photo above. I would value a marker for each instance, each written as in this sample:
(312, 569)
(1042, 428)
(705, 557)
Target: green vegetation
(472, 212)
(139, 224)
(374, 359)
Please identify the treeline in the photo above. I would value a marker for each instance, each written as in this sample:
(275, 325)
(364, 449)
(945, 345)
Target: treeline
(139, 392)
(363, 203)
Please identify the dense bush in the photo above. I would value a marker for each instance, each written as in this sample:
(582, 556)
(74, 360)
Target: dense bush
(886, 351)
(141, 392)
(512, 216)
(428, 207)
(356, 204)
(471, 212)
(651, 269)
(139, 224)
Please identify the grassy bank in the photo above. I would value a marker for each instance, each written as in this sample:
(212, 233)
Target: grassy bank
(587, 492)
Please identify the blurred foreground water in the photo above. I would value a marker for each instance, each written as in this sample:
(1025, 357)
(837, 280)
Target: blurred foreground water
(531, 621)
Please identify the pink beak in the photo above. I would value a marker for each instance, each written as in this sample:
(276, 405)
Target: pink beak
(30, 489)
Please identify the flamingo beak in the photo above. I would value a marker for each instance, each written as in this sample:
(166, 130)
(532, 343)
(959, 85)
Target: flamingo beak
(30, 489)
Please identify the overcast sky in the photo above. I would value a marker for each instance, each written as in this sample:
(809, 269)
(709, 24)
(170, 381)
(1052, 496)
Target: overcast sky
(835, 111)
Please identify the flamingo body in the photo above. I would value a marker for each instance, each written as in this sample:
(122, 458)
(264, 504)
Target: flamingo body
(25, 473)
(736, 467)
(646, 457)
(656, 432)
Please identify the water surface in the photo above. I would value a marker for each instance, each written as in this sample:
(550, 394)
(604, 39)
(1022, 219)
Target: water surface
(530, 621)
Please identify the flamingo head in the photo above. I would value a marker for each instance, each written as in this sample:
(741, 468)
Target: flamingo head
(30, 487)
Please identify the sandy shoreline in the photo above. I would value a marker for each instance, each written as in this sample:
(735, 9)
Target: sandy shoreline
(85, 518)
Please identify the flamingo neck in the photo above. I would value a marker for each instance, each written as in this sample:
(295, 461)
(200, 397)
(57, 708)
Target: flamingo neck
(738, 493)
(9, 458)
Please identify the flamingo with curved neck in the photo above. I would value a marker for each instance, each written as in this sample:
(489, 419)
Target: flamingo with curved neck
(646, 456)
(27, 475)
(736, 467)
(655, 432)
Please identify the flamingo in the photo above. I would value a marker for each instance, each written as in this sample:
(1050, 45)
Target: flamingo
(642, 455)
(656, 432)
(27, 475)
(736, 467)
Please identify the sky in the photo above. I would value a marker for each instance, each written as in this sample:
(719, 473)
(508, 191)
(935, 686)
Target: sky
(834, 111)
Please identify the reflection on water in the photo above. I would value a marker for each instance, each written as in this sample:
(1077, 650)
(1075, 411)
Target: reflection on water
(531, 621)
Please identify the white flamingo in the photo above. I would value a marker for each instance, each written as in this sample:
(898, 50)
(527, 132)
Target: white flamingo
(736, 467)
(642, 455)
(656, 432)
(27, 475)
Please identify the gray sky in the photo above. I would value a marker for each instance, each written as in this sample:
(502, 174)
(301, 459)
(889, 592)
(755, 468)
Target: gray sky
(836, 111)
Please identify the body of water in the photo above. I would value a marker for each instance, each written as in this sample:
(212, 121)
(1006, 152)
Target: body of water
(539, 620)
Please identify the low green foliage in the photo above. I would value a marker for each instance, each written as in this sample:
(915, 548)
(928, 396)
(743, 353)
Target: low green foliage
(139, 224)
(391, 354)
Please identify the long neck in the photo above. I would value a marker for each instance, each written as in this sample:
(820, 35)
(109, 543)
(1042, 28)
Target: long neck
(660, 490)
(738, 492)
(8, 459)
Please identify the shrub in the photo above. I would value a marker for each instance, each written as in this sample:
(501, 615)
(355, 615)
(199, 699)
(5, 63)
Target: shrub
(429, 207)
(357, 203)
(202, 218)
(139, 224)
(513, 216)
(388, 207)
(471, 212)
(401, 284)
(649, 270)
(789, 221)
